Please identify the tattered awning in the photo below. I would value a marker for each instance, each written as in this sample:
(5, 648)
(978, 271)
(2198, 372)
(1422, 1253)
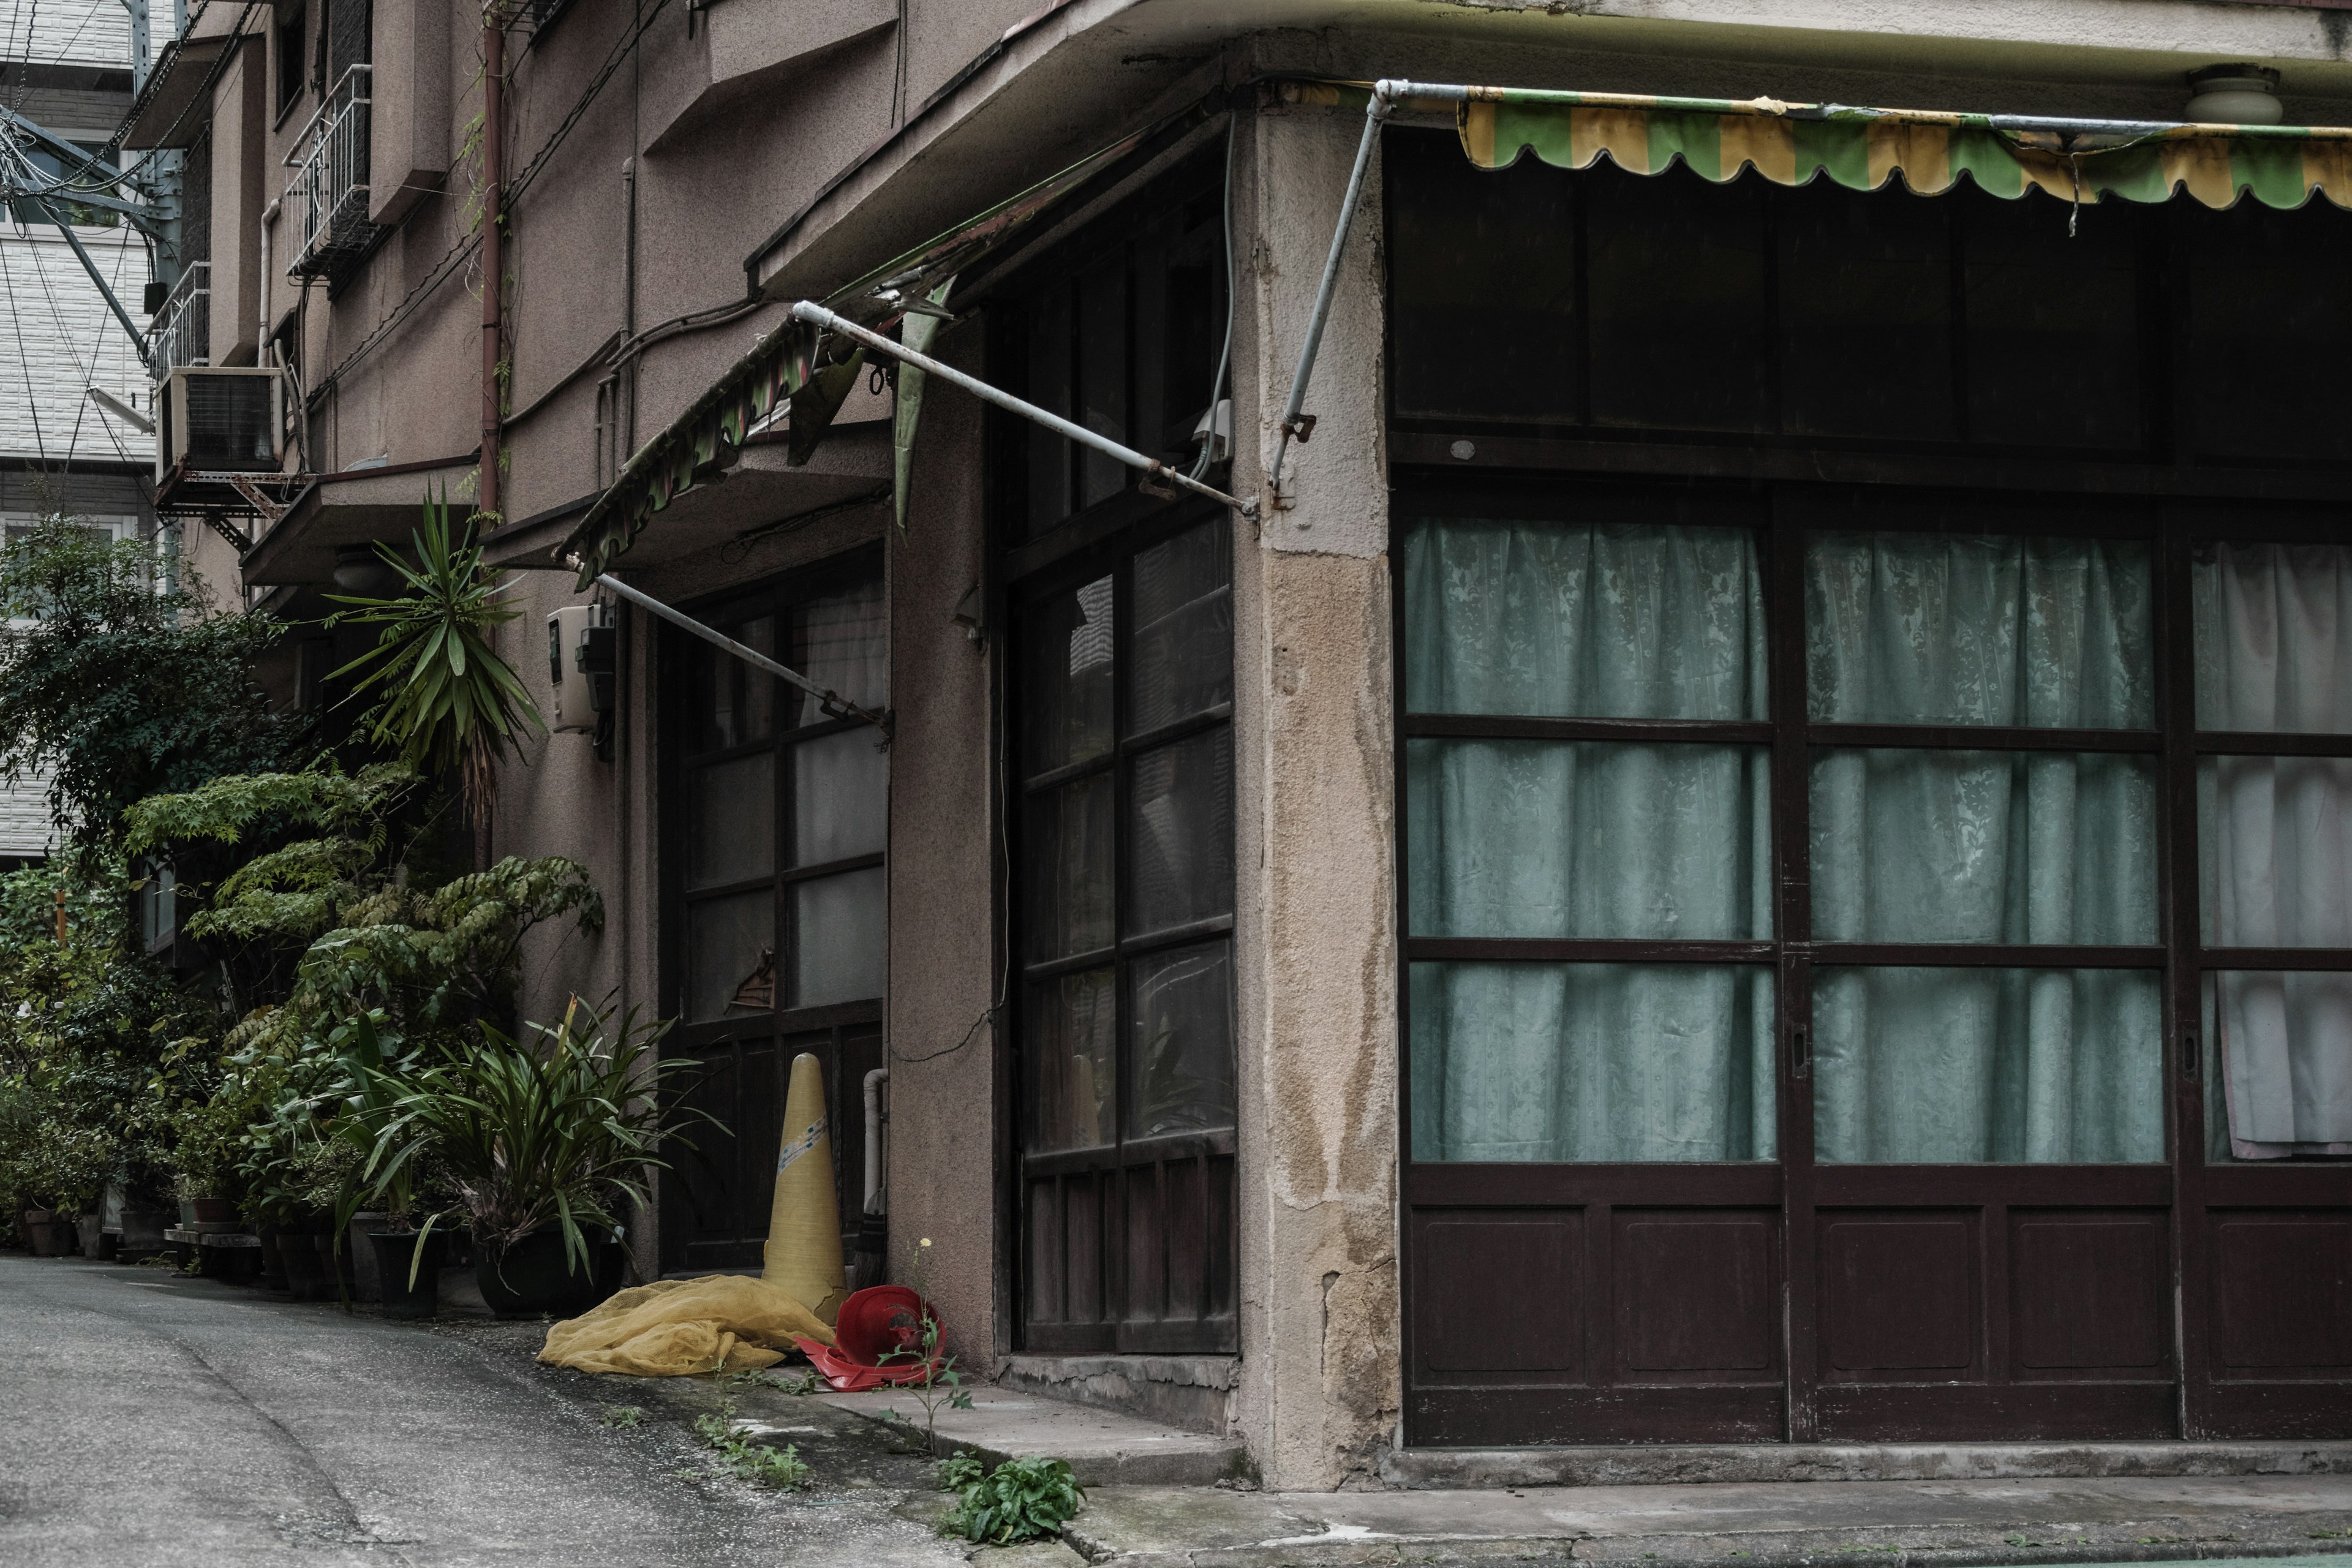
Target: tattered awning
(1863, 149)
(791, 365)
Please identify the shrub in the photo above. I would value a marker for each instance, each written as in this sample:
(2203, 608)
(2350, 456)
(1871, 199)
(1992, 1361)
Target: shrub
(1027, 1499)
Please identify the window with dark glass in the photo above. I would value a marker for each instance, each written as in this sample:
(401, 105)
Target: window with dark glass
(778, 821)
(1123, 758)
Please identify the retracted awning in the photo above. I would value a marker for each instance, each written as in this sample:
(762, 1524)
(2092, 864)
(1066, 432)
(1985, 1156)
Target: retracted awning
(786, 367)
(1863, 149)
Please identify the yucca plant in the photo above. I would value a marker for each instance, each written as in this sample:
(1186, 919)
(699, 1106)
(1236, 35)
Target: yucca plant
(449, 701)
(561, 1133)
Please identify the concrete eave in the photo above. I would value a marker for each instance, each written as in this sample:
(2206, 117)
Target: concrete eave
(1067, 79)
(359, 506)
(164, 115)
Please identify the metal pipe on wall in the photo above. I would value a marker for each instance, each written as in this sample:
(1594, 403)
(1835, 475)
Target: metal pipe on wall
(494, 175)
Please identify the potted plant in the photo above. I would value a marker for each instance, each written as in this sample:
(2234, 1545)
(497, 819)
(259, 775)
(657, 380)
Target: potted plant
(545, 1146)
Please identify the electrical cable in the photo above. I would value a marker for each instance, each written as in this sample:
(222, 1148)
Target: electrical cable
(464, 249)
(1225, 355)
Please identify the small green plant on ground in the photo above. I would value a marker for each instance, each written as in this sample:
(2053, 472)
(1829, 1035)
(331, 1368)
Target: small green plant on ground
(624, 1417)
(1027, 1499)
(804, 1383)
(941, 1383)
(779, 1469)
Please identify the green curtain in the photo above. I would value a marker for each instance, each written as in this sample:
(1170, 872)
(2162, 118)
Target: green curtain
(1964, 1065)
(1542, 838)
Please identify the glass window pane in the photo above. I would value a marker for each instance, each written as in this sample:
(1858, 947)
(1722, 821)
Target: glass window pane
(2053, 320)
(1988, 1065)
(1611, 621)
(2274, 847)
(1681, 317)
(1865, 298)
(1182, 1079)
(731, 820)
(2278, 1081)
(843, 643)
(841, 796)
(1049, 388)
(1182, 835)
(1183, 661)
(1476, 257)
(731, 956)
(1066, 679)
(2275, 638)
(2256, 275)
(1592, 1062)
(1071, 1061)
(1066, 869)
(733, 703)
(1102, 374)
(1941, 628)
(1551, 838)
(1995, 847)
(837, 924)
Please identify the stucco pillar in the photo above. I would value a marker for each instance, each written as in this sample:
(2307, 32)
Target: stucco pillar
(1314, 832)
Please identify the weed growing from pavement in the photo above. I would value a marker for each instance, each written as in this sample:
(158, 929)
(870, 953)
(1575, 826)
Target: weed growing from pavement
(623, 1415)
(940, 1383)
(1027, 1499)
(804, 1383)
(780, 1469)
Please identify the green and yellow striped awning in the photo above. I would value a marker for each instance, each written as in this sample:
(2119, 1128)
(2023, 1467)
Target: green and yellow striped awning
(1863, 148)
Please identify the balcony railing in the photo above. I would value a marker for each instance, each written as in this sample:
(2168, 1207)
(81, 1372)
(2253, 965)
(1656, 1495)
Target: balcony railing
(328, 196)
(181, 331)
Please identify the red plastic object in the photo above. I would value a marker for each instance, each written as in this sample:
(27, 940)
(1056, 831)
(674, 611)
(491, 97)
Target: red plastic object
(878, 1321)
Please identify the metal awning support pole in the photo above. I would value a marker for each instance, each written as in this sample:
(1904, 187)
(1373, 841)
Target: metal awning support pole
(832, 701)
(817, 315)
(138, 338)
(1376, 109)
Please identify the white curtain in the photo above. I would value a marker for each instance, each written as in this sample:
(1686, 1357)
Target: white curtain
(1538, 838)
(1966, 1065)
(2274, 654)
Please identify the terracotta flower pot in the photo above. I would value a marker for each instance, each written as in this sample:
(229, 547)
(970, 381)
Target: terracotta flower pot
(215, 1211)
(49, 1238)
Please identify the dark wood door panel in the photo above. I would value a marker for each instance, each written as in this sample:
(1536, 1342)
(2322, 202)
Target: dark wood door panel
(1068, 1238)
(2090, 1294)
(2282, 1294)
(1696, 1295)
(2289, 1410)
(1672, 1412)
(1962, 1413)
(1179, 1286)
(1900, 1295)
(1498, 1297)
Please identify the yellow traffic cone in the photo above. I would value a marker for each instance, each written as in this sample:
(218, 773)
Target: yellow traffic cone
(804, 1251)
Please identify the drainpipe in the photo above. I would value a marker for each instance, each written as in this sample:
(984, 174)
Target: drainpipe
(874, 1082)
(494, 175)
(261, 328)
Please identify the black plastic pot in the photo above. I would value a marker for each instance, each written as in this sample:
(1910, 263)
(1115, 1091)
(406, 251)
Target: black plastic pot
(394, 1252)
(335, 1267)
(304, 1277)
(532, 1277)
(273, 1264)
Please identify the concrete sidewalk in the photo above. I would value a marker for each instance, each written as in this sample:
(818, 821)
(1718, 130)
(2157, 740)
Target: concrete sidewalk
(1755, 1525)
(1963, 1506)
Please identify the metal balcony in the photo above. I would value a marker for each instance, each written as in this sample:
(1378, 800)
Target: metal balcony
(181, 331)
(327, 198)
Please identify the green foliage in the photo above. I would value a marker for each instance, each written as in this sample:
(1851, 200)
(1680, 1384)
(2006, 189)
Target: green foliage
(121, 686)
(562, 1131)
(625, 1418)
(779, 1469)
(448, 700)
(93, 1079)
(939, 1383)
(1025, 1499)
(343, 918)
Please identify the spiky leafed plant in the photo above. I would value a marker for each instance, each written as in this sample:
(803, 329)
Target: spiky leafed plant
(448, 700)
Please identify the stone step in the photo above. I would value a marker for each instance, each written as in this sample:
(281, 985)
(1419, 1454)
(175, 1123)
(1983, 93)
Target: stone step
(1671, 1463)
(1105, 1448)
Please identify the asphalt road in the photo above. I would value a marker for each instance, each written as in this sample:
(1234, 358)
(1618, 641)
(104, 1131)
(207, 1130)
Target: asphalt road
(147, 1419)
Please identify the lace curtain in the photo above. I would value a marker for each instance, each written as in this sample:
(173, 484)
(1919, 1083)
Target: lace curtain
(1963, 1065)
(2274, 654)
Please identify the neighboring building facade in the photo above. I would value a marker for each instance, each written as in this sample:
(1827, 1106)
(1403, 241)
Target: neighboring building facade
(1751, 845)
(70, 71)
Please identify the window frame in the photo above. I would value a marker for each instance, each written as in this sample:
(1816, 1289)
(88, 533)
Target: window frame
(2173, 745)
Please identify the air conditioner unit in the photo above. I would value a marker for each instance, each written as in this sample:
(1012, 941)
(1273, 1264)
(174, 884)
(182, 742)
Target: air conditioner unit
(215, 419)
